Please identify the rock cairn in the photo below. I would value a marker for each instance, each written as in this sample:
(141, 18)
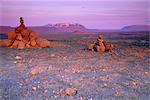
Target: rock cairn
(100, 45)
(23, 38)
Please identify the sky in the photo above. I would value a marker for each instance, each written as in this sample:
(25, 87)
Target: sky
(98, 14)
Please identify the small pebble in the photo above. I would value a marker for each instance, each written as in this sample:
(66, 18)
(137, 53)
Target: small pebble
(70, 91)
(24, 93)
(18, 58)
(34, 88)
(46, 91)
(52, 55)
(33, 72)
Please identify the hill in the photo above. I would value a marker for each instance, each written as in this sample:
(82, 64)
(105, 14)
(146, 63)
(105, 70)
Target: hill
(136, 28)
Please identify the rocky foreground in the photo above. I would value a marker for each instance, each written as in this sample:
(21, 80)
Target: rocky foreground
(72, 72)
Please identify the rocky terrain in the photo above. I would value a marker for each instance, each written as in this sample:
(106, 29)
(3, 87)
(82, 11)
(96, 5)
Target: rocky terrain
(24, 38)
(71, 72)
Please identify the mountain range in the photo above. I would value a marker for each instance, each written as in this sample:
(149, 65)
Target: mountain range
(135, 28)
(75, 28)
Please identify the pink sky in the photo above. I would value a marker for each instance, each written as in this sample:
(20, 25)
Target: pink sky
(101, 14)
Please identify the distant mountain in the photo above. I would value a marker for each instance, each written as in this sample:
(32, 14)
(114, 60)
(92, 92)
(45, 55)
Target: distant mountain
(66, 27)
(75, 29)
(48, 25)
(135, 28)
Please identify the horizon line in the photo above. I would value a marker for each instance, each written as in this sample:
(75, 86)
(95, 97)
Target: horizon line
(83, 25)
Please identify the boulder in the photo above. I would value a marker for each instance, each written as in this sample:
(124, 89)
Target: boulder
(23, 38)
(19, 37)
(90, 46)
(21, 45)
(33, 36)
(11, 35)
(27, 45)
(70, 91)
(5, 43)
(100, 45)
(42, 42)
(33, 43)
(108, 46)
(15, 44)
(25, 34)
(99, 48)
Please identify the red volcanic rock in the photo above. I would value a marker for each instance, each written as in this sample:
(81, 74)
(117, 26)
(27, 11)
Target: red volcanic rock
(24, 93)
(19, 37)
(42, 42)
(33, 43)
(90, 46)
(100, 45)
(11, 35)
(14, 44)
(108, 46)
(21, 45)
(33, 36)
(5, 43)
(25, 34)
(33, 72)
(70, 91)
(23, 38)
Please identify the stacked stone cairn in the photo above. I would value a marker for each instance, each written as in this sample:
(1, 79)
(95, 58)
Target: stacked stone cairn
(100, 45)
(23, 38)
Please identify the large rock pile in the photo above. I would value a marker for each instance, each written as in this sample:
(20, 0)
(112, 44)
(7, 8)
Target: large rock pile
(23, 38)
(100, 45)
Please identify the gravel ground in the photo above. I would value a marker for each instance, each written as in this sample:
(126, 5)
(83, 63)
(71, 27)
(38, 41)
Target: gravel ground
(44, 74)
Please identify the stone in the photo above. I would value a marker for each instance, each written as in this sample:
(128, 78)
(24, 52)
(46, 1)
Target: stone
(5, 43)
(25, 93)
(11, 35)
(25, 34)
(100, 36)
(90, 46)
(45, 91)
(19, 37)
(14, 44)
(70, 91)
(21, 45)
(18, 58)
(33, 43)
(34, 88)
(52, 55)
(100, 45)
(33, 72)
(117, 93)
(33, 36)
(42, 42)
(100, 48)
(108, 46)
(27, 45)
(100, 41)
(23, 38)
(21, 26)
